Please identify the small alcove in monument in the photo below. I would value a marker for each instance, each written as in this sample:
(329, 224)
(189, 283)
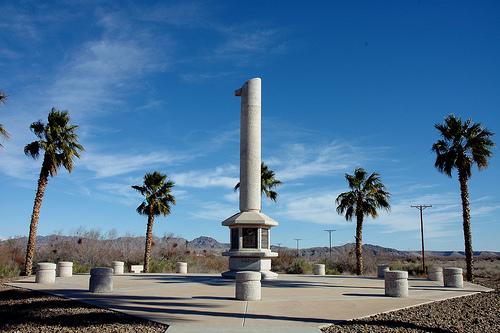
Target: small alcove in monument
(264, 236)
(249, 238)
(235, 238)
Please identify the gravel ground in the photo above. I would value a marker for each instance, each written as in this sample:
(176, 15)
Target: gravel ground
(476, 313)
(28, 311)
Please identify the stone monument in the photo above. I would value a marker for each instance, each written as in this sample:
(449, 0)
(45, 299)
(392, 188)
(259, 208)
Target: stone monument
(250, 234)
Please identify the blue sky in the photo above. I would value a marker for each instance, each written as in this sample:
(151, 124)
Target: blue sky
(344, 85)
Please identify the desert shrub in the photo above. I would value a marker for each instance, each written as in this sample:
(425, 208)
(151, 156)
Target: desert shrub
(79, 268)
(284, 260)
(9, 270)
(412, 267)
(330, 266)
(300, 266)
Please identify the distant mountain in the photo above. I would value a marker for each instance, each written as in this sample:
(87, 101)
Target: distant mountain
(212, 245)
(204, 242)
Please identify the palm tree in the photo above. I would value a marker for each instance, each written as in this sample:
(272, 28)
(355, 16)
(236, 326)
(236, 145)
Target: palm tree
(59, 141)
(157, 192)
(366, 196)
(463, 144)
(3, 131)
(268, 182)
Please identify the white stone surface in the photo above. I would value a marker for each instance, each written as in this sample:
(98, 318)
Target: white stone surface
(136, 268)
(181, 268)
(65, 269)
(250, 215)
(319, 269)
(453, 277)
(250, 145)
(435, 273)
(45, 273)
(118, 267)
(250, 218)
(396, 283)
(101, 280)
(381, 269)
(248, 287)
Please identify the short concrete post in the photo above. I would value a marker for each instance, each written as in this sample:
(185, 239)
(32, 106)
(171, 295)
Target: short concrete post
(453, 277)
(319, 269)
(435, 273)
(46, 272)
(248, 286)
(65, 269)
(118, 267)
(101, 280)
(181, 268)
(136, 268)
(396, 283)
(381, 269)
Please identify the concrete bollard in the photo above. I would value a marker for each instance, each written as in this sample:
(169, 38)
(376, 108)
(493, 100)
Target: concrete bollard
(65, 269)
(46, 272)
(396, 283)
(118, 267)
(319, 269)
(181, 268)
(453, 277)
(435, 273)
(136, 268)
(381, 269)
(101, 280)
(248, 286)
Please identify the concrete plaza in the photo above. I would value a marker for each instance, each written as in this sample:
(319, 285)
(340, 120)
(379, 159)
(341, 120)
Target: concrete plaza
(205, 303)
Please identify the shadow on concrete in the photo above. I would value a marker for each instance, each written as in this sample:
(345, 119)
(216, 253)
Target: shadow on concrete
(364, 295)
(216, 298)
(239, 315)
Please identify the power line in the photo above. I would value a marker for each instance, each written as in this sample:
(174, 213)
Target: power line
(421, 209)
(298, 240)
(330, 235)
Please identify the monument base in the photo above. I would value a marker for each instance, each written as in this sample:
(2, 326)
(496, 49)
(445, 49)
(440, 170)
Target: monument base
(256, 264)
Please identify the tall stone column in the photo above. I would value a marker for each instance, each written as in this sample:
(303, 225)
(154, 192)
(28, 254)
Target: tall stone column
(250, 145)
(250, 228)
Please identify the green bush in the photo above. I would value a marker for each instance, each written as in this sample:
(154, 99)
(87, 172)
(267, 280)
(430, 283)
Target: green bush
(412, 267)
(81, 268)
(9, 270)
(299, 266)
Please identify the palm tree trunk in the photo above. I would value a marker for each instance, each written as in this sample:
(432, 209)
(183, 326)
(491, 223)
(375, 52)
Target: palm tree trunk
(359, 244)
(43, 180)
(464, 193)
(149, 241)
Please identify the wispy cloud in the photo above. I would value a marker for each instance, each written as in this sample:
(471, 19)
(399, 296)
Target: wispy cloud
(444, 218)
(222, 176)
(108, 165)
(214, 211)
(101, 72)
(250, 42)
(298, 161)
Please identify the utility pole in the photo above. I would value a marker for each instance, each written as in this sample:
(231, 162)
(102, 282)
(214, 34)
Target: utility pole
(421, 209)
(298, 240)
(279, 247)
(330, 234)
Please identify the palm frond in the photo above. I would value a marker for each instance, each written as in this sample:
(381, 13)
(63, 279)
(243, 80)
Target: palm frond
(462, 144)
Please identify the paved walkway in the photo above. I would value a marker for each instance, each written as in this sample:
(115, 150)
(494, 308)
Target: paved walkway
(205, 303)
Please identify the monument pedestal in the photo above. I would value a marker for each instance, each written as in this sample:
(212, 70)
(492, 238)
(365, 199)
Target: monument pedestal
(250, 248)
(258, 261)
